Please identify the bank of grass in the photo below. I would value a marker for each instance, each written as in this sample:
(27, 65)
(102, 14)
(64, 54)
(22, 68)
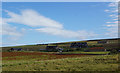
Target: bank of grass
(85, 63)
(79, 52)
(75, 52)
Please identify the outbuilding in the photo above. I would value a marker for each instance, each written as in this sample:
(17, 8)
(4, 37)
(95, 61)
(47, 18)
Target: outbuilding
(51, 48)
(16, 49)
(78, 45)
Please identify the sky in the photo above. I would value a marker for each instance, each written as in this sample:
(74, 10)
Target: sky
(26, 23)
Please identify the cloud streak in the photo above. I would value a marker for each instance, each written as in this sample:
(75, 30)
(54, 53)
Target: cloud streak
(112, 26)
(10, 31)
(33, 19)
(67, 33)
(46, 25)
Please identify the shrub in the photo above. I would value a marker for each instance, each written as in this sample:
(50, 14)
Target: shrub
(113, 51)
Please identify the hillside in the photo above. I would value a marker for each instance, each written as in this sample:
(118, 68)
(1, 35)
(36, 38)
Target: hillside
(65, 45)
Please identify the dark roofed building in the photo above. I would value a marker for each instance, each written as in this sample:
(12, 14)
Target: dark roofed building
(78, 45)
(102, 42)
(51, 48)
(16, 49)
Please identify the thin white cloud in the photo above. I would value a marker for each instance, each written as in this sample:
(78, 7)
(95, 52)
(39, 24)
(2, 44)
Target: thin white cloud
(46, 25)
(113, 4)
(113, 22)
(33, 19)
(113, 15)
(115, 10)
(67, 33)
(115, 19)
(112, 26)
(113, 7)
(112, 10)
(113, 31)
(10, 31)
(106, 10)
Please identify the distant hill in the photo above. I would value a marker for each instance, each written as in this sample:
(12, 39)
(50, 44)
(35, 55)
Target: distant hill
(65, 45)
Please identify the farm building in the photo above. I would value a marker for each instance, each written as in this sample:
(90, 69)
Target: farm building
(102, 42)
(78, 45)
(51, 48)
(42, 49)
(16, 49)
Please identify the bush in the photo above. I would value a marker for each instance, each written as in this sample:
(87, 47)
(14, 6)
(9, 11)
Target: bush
(86, 50)
(114, 51)
(9, 50)
(71, 50)
(80, 49)
(66, 50)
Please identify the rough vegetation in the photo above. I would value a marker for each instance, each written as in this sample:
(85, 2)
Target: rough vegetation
(34, 61)
(96, 56)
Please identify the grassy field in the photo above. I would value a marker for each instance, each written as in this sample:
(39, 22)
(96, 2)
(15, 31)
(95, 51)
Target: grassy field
(36, 61)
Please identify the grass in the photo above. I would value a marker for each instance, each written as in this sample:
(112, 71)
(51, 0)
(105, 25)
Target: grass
(84, 63)
(79, 52)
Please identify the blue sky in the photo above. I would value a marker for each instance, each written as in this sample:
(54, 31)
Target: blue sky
(47, 22)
